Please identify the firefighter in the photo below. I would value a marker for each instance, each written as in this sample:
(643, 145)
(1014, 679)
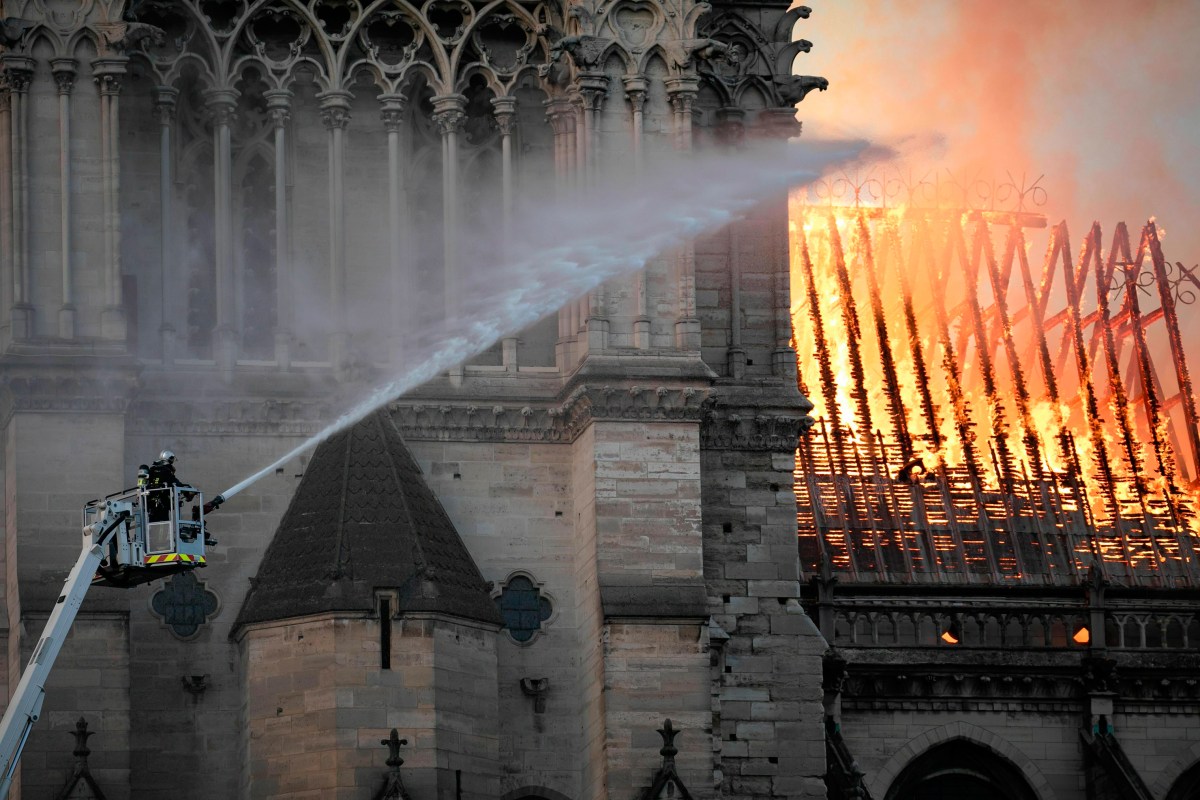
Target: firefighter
(161, 478)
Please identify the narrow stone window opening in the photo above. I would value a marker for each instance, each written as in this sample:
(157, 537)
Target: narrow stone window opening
(385, 632)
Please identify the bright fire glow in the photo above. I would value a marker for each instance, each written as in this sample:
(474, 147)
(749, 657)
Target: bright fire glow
(1038, 455)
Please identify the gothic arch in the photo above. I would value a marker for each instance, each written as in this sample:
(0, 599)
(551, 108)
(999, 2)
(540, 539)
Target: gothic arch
(919, 745)
(534, 793)
(1183, 773)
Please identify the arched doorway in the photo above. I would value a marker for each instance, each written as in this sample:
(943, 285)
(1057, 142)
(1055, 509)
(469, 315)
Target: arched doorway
(1187, 785)
(960, 769)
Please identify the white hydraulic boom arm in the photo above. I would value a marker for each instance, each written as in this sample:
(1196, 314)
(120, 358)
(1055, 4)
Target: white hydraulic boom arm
(129, 538)
(26, 704)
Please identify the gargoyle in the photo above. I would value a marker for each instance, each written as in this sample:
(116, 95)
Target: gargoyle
(585, 51)
(689, 51)
(802, 45)
(126, 36)
(707, 50)
(12, 31)
(783, 29)
(794, 88)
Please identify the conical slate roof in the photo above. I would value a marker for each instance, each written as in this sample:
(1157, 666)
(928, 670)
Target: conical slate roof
(363, 519)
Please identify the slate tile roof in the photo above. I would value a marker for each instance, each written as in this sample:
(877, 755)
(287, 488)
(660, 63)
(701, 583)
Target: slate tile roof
(363, 519)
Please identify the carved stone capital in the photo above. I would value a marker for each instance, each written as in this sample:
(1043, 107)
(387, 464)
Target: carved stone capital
(635, 91)
(165, 99)
(107, 73)
(777, 123)
(449, 113)
(683, 91)
(63, 70)
(731, 126)
(392, 110)
(505, 111)
(561, 115)
(18, 72)
(279, 106)
(335, 109)
(593, 88)
(222, 104)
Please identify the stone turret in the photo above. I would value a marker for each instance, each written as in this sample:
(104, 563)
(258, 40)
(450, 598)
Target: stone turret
(368, 614)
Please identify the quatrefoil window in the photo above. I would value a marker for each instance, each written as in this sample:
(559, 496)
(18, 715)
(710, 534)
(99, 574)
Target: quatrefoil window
(523, 607)
(184, 603)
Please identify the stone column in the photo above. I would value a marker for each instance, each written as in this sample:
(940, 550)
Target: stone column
(579, 141)
(279, 103)
(562, 121)
(505, 111)
(7, 280)
(64, 76)
(222, 103)
(778, 125)
(403, 285)
(730, 132)
(682, 92)
(635, 93)
(593, 88)
(736, 356)
(449, 114)
(165, 98)
(108, 73)
(18, 71)
(335, 113)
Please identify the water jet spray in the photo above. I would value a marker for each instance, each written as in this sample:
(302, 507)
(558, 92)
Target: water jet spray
(612, 230)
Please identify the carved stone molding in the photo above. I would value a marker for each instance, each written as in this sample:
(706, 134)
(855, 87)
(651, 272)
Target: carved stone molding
(633, 404)
(249, 417)
(728, 429)
(100, 394)
(548, 423)
(470, 423)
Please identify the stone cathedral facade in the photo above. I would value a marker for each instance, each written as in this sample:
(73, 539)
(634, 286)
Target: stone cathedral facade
(218, 220)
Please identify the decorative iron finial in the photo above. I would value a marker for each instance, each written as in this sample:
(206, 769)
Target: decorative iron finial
(393, 785)
(666, 780)
(393, 743)
(668, 734)
(81, 734)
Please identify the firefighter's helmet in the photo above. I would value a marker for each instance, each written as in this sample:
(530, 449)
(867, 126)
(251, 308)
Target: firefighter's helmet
(167, 456)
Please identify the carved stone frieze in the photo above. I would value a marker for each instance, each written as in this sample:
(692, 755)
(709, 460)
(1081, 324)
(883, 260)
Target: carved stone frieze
(549, 423)
(470, 423)
(726, 429)
(633, 403)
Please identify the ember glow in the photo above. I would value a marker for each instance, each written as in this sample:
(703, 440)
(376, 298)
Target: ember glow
(988, 415)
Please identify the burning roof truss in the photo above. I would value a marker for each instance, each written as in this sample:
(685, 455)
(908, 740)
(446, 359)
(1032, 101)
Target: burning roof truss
(983, 421)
